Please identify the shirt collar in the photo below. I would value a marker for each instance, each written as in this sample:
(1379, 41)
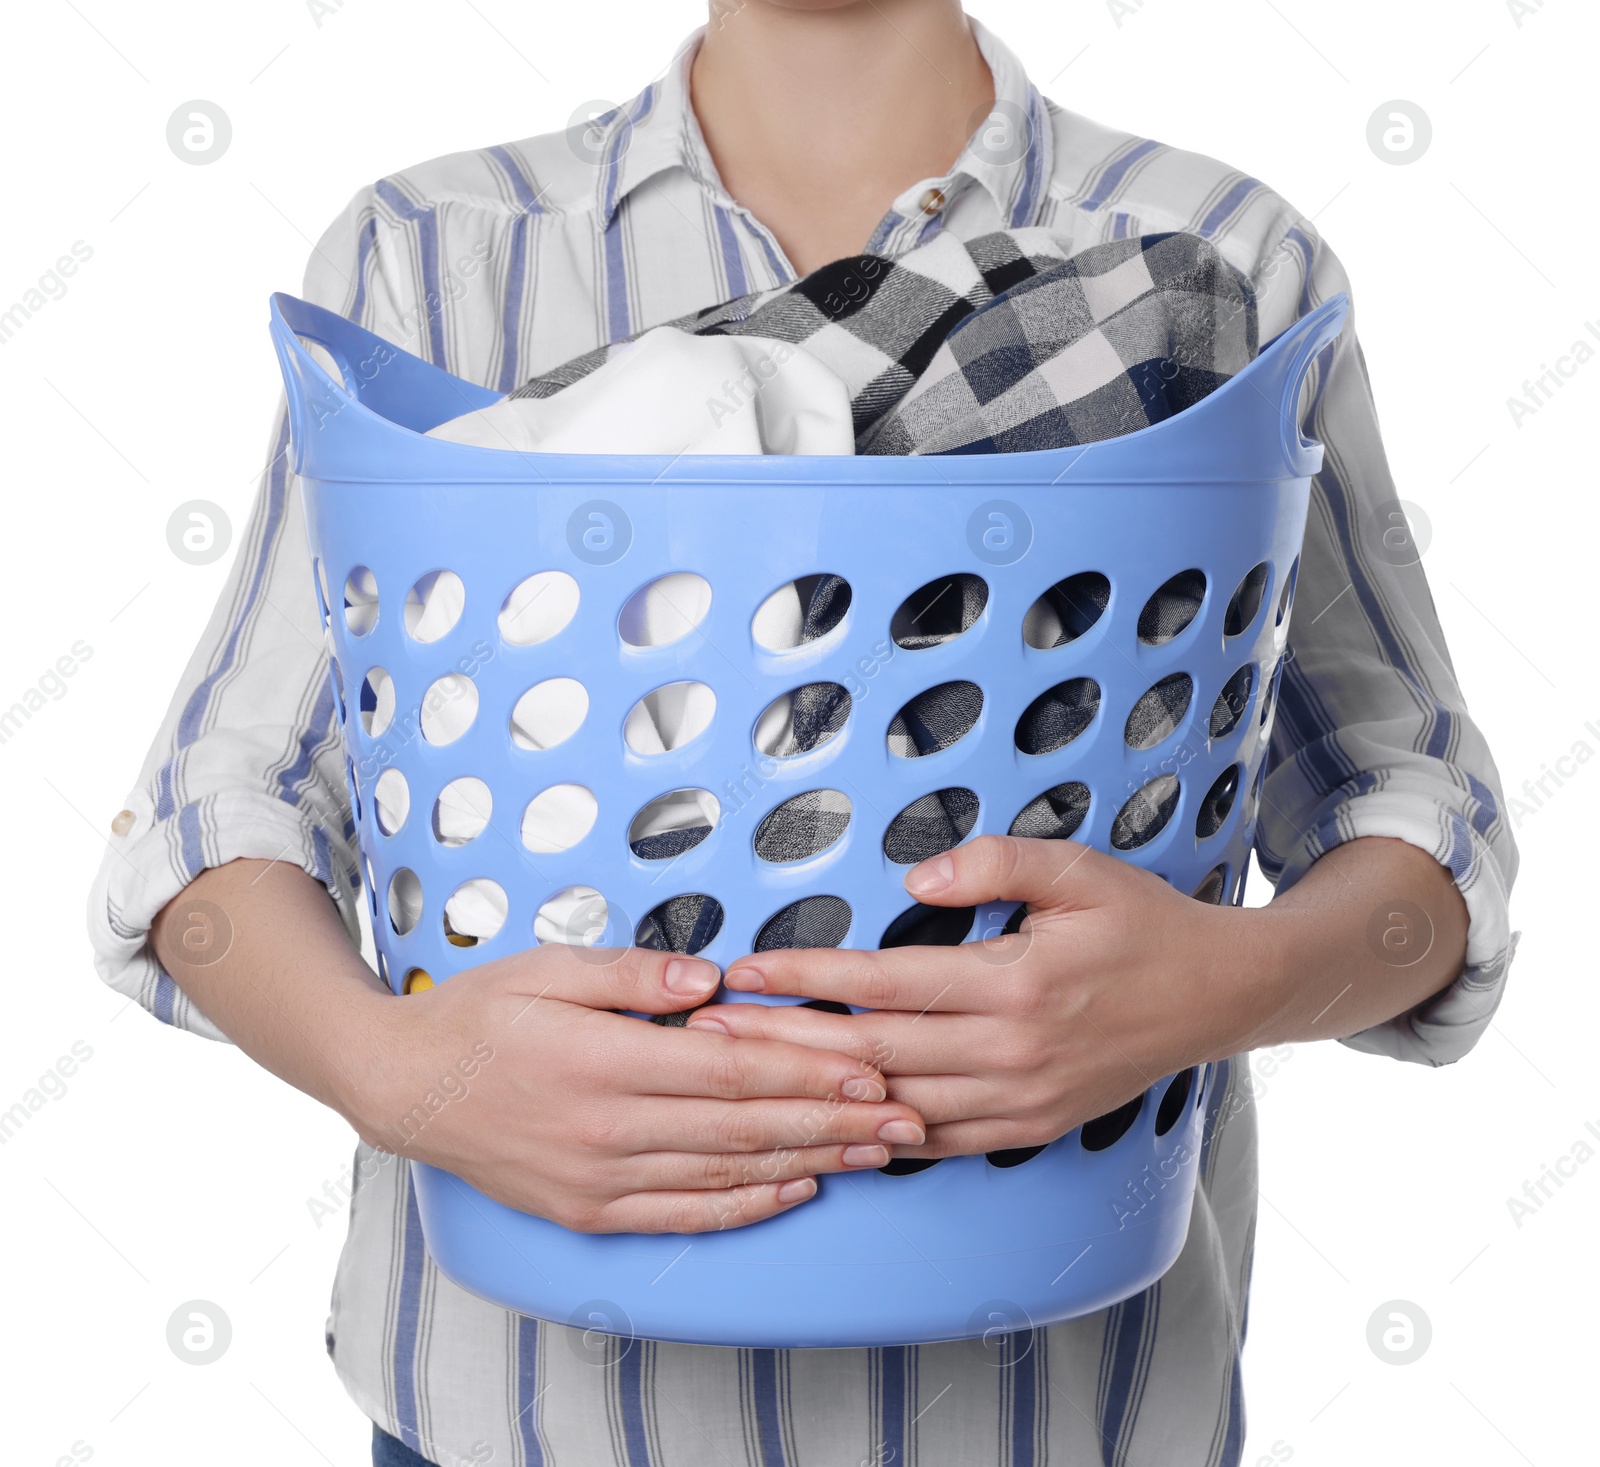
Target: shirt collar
(1009, 155)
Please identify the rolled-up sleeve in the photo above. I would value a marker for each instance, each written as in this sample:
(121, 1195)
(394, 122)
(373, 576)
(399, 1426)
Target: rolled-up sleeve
(1372, 736)
(247, 762)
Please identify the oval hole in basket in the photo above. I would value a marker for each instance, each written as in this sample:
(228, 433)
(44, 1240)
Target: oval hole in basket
(1213, 891)
(575, 915)
(1159, 711)
(805, 610)
(434, 605)
(475, 912)
(405, 901)
(319, 580)
(673, 823)
(1173, 1100)
(930, 826)
(462, 810)
(803, 826)
(360, 601)
(665, 611)
(391, 798)
(681, 924)
(537, 608)
(1057, 716)
(1105, 1131)
(549, 713)
(1269, 699)
(558, 818)
(336, 680)
(1066, 611)
(813, 921)
(1246, 601)
(1146, 813)
(1012, 1156)
(940, 611)
(925, 926)
(935, 719)
(669, 717)
(1232, 701)
(1214, 809)
(909, 1166)
(802, 720)
(1286, 597)
(448, 708)
(1055, 815)
(377, 702)
(1172, 607)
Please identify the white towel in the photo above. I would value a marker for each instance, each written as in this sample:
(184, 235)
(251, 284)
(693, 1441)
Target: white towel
(666, 393)
(669, 392)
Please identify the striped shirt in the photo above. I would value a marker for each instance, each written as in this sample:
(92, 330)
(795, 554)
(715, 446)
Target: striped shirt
(504, 262)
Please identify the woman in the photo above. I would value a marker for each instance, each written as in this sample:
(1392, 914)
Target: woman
(788, 135)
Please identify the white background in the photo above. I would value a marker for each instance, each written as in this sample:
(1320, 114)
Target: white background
(173, 1169)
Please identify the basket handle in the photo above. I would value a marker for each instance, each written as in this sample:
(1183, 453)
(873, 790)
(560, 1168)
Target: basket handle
(1298, 349)
(401, 391)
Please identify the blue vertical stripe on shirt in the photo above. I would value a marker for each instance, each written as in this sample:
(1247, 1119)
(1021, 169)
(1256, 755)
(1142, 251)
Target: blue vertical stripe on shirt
(630, 1392)
(427, 222)
(192, 719)
(732, 259)
(764, 1372)
(365, 242)
(1027, 201)
(528, 1391)
(516, 267)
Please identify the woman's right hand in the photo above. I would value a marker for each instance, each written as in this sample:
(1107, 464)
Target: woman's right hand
(518, 1077)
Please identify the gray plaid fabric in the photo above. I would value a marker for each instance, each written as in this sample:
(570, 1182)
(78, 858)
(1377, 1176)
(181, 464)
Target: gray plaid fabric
(1136, 330)
(941, 349)
(945, 350)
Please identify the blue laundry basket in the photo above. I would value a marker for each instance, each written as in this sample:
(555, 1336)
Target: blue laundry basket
(1215, 497)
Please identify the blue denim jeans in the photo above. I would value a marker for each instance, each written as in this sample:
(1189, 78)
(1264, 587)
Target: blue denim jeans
(388, 1451)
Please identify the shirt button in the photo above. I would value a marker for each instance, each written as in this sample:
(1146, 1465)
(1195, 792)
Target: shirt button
(122, 822)
(932, 201)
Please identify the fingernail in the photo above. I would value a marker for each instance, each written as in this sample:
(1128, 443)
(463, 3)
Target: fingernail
(931, 876)
(865, 1155)
(746, 980)
(859, 1088)
(714, 1026)
(902, 1133)
(689, 975)
(797, 1190)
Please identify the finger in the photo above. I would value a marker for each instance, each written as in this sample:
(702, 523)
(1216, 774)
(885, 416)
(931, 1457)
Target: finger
(887, 1043)
(992, 868)
(943, 1100)
(702, 1061)
(672, 1171)
(702, 1212)
(976, 1138)
(634, 978)
(756, 1126)
(914, 980)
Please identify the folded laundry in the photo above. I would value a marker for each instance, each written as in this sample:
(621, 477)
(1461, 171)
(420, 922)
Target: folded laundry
(998, 344)
(671, 392)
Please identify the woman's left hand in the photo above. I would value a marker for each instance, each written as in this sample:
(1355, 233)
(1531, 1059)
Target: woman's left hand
(1114, 981)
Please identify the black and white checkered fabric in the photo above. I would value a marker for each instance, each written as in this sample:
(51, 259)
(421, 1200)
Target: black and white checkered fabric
(1000, 343)
(993, 345)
